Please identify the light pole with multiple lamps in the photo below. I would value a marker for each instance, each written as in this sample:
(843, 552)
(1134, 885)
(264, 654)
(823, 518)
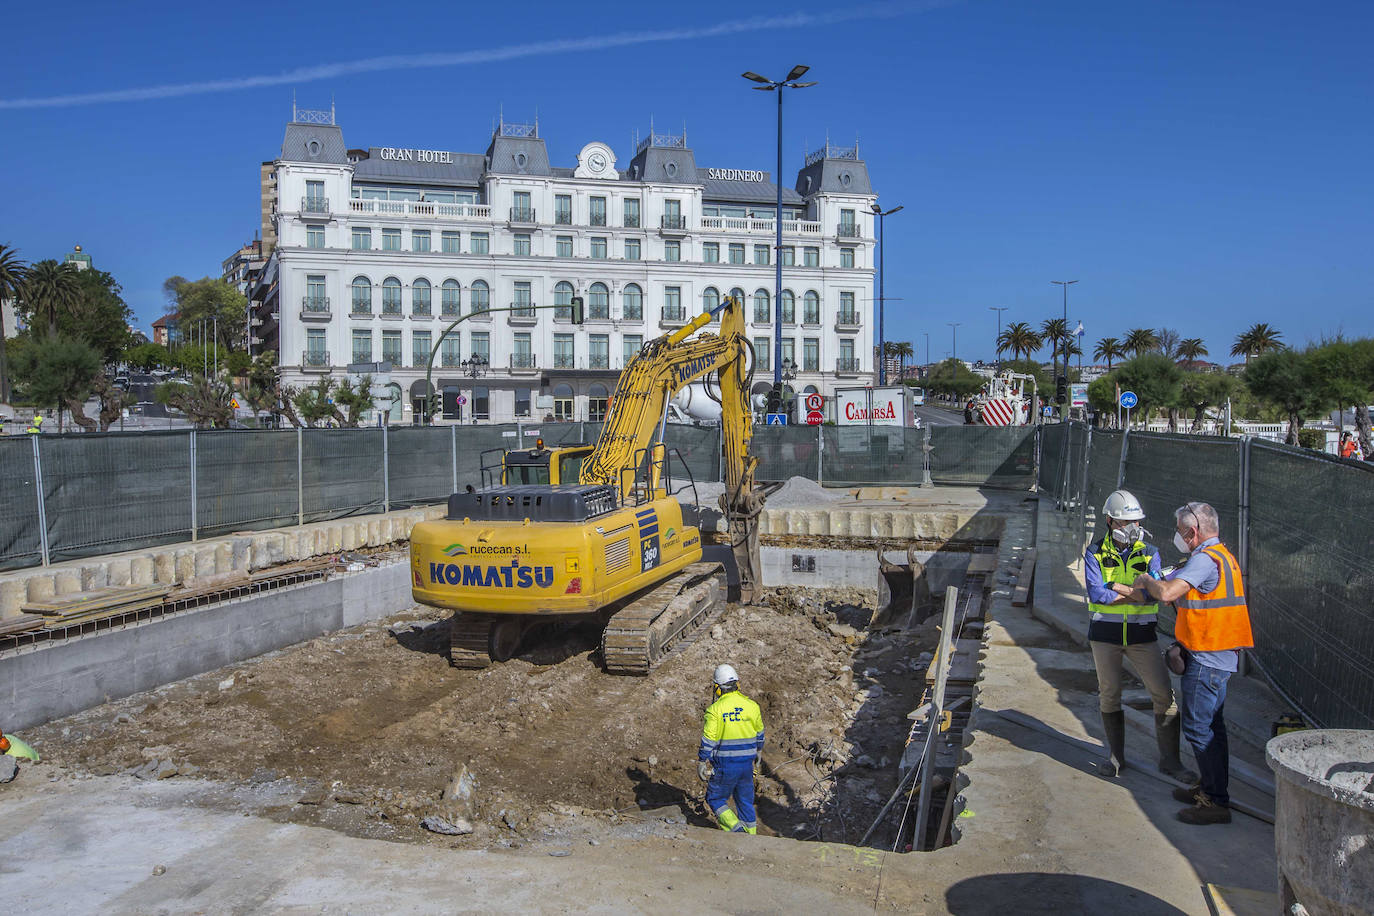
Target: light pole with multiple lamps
(954, 344)
(882, 254)
(787, 82)
(473, 367)
(997, 341)
(1064, 285)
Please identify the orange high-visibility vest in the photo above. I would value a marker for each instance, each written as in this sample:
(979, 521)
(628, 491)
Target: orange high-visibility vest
(1216, 620)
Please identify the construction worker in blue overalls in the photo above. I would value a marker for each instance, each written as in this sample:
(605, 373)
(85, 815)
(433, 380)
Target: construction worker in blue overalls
(731, 741)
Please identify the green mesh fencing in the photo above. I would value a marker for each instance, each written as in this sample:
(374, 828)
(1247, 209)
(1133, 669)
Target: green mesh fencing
(980, 456)
(245, 480)
(110, 492)
(699, 447)
(1310, 581)
(342, 472)
(1051, 474)
(872, 456)
(1165, 471)
(20, 541)
(1104, 458)
(419, 465)
(786, 451)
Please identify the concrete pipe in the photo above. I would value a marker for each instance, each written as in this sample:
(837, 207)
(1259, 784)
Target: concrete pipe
(1324, 820)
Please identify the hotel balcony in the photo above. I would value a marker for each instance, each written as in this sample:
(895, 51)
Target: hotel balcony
(848, 231)
(848, 321)
(315, 361)
(522, 216)
(420, 209)
(315, 205)
(524, 362)
(672, 225)
(672, 317)
(847, 365)
(524, 314)
(751, 226)
(315, 308)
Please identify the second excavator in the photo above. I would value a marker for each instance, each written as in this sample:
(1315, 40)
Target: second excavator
(617, 545)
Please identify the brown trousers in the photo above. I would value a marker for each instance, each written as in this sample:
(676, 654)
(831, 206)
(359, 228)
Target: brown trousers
(1148, 662)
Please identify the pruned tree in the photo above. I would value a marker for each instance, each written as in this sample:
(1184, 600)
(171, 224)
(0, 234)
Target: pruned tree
(1286, 379)
(354, 400)
(314, 403)
(204, 401)
(58, 372)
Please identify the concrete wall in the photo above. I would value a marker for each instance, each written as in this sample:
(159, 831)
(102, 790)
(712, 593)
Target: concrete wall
(56, 679)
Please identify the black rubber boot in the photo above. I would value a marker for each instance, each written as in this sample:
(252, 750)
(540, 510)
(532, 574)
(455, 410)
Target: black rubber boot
(1167, 730)
(1114, 724)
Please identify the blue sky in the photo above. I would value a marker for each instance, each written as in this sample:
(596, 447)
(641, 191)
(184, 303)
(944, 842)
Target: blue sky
(1195, 165)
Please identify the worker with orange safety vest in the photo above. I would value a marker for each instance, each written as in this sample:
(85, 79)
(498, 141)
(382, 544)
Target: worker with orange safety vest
(1213, 626)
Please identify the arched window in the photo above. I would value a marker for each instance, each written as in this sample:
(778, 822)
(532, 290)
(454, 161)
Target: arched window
(480, 294)
(789, 307)
(811, 308)
(761, 311)
(451, 298)
(598, 301)
(563, 402)
(562, 298)
(362, 296)
(710, 299)
(597, 398)
(632, 302)
(391, 296)
(420, 296)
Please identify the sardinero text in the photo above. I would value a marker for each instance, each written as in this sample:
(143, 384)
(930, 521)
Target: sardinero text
(736, 175)
(858, 413)
(415, 155)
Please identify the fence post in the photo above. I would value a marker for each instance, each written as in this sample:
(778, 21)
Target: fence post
(1083, 496)
(42, 509)
(386, 470)
(1243, 522)
(300, 477)
(820, 454)
(1064, 460)
(194, 500)
(926, 448)
(1121, 466)
(453, 450)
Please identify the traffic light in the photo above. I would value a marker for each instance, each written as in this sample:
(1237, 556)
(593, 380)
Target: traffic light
(578, 314)
(1061, 390)
(775, 399)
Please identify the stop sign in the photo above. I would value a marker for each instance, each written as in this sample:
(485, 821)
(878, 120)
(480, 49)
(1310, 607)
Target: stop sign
(814, 418)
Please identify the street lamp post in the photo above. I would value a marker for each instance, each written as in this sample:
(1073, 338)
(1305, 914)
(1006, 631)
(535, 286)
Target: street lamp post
(787, 82)
(1064, 285)
(927, 336)
(954, 343)
(997, 343)
(473, 367)
(882, 256)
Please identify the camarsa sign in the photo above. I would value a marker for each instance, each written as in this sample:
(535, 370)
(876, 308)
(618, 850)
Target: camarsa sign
(888, 406)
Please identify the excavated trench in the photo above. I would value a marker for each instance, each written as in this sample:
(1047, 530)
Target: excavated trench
(369, 730)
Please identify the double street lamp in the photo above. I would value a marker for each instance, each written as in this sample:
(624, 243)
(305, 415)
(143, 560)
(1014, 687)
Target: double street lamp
(882, 255)
(473, 367)
(787, 82)
(997, 342)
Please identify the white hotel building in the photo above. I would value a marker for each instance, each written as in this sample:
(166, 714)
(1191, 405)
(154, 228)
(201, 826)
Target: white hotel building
(378, 250)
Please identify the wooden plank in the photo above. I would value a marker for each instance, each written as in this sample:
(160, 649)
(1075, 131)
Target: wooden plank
(94, 599)
(963, 667)
(1025, 579)
(15, 625)
(983, 563)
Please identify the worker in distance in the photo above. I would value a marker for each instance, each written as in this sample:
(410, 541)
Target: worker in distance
(731, 741)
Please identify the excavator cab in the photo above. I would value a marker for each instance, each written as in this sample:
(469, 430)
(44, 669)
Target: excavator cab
(538, 465)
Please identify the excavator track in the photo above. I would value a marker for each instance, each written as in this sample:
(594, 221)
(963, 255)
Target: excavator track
(469, 641)
(642, 633)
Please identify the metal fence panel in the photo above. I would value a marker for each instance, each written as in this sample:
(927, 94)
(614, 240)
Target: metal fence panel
(341, 472)
(982, 455)
(109, 492)
(1165, 471)
(1104, 458)
(1310, 582)
(1052, 438)
(699, 447)
(472, 442)
(786, 451)
(419, 464)
(20, 542)
(872, 455)
(244, 480)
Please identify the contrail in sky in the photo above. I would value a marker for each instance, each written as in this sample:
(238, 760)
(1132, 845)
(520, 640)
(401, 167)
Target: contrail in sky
(482, 56)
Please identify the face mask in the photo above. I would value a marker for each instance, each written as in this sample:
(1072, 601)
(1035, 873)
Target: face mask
(1181, 544)
(1128, 535)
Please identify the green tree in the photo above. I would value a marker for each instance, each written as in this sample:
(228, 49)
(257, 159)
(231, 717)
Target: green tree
(1343, 373)
(1102, 397)
(952, 377)
(1140, 341)
(112, 399)
(50, 289)
(148, 357)
(1167, 341)
(1154, 378)
(101, 316)
(1285, 378)
(1202, 390)
(1109, 348)
(58, 372)
(1019, 339)
(222, 307)
(354, 400)
(901, 351)
(313, 402)
(1257, 340)
(1043, 380)
(12, 274)
(204, 401)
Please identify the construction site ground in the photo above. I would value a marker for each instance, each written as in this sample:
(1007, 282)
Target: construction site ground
(299, 780)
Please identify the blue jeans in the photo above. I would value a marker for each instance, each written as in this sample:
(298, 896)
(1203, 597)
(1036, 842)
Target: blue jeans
(734, 777)
(1202, 693)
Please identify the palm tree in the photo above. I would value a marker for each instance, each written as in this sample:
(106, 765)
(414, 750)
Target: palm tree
(12, 273)
(1257, 339)
(51, 289)
(1140, 340)
(902, 350)
(1054, 331)
(1192, 348)
(1020, 339)
(1109, 348)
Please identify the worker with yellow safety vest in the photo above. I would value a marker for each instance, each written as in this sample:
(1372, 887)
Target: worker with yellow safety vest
(36, 424)
(731, 740)
(1213, 626)
(1122, 626)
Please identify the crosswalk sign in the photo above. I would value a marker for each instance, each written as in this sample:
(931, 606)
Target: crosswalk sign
(777, 419)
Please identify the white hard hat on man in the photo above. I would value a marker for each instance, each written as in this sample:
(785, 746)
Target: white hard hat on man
(1123, 506)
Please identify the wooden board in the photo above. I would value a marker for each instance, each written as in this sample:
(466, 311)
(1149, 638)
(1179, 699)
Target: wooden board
(983, 563)
(964, 665)
(92, 600)
(1025, 580)
(13, 625)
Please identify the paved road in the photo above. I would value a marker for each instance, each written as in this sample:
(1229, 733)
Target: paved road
(938, 416)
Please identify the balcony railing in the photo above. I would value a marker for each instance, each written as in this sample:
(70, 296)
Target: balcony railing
(562, 217)
(481, 311)
(598, 219)
(563, 361)
(421, 209)
(522, 215)
(848, 231)
(524, 361)
(811, 318)
(847, 319)
(392, 356)
(420, 310)
(846, 365)
(761, 316)
(631, 220)
(449, 358)
(314, 204)
(673, 223)
(523, 313)
(600, 312)
(599, 361)
(315, 308)
(361, 308)
(391, 307)
(315, 361)
(758, 226)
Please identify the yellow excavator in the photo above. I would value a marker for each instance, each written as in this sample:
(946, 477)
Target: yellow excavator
(596, 531)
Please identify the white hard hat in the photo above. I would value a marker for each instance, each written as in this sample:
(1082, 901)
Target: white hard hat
(1123, 506)
(725, 674)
